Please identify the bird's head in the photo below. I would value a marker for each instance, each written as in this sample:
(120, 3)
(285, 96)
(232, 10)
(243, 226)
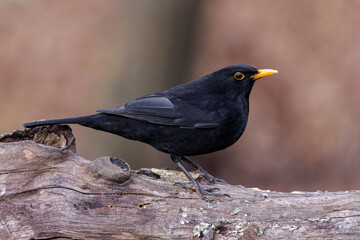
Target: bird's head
(238, 80)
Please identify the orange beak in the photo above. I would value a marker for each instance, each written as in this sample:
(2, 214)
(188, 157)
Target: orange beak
(263, 73)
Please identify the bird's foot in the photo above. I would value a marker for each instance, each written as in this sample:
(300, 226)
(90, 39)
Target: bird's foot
(211, 179)
(201, 191)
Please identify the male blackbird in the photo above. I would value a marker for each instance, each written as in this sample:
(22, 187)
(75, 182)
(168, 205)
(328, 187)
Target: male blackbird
(198, 117)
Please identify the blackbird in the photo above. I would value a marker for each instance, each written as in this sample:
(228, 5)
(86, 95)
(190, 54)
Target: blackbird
(198, 117)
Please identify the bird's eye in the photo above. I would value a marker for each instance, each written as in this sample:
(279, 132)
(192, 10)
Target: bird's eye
(239, 76)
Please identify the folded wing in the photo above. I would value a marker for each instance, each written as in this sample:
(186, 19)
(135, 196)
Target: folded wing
(162, 110)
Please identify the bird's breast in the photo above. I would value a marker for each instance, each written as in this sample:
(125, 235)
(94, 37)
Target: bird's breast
(233, 126)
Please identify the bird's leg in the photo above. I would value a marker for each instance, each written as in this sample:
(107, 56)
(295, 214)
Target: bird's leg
(201, 191)
(207, 175)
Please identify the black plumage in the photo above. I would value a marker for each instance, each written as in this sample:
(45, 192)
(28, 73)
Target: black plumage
(198, 117)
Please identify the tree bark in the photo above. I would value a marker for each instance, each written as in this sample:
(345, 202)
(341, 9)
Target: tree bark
(47, 191)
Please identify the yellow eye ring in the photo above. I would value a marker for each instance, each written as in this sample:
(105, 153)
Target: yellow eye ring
(239, 76)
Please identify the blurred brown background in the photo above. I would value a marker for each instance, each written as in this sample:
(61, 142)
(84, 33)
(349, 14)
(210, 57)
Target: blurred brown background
(69, 58)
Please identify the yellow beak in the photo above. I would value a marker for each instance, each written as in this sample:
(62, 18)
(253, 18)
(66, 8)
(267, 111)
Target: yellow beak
(263, 73)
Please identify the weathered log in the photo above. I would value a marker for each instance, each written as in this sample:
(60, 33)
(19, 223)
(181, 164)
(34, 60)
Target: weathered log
(47, 191)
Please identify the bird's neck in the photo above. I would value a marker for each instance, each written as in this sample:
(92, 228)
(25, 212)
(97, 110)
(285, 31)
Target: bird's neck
(243, 101)
(240, 93)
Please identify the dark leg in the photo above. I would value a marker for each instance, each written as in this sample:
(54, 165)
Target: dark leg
(208, 176)
(201, 191)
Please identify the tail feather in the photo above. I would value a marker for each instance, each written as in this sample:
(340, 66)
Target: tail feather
(72, 120)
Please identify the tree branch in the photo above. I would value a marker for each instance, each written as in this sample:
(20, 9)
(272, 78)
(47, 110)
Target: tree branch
(47, 191)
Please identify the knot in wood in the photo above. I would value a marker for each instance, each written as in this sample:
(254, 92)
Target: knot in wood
(111, 168)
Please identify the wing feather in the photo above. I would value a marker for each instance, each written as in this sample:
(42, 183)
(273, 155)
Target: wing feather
(161, 110)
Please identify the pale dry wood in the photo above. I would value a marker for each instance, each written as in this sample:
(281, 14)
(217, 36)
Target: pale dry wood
(49, 192)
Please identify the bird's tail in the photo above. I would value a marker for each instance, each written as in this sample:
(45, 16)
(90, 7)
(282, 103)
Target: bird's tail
(74, 120)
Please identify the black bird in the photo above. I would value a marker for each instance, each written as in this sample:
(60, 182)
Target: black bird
(198, 117)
